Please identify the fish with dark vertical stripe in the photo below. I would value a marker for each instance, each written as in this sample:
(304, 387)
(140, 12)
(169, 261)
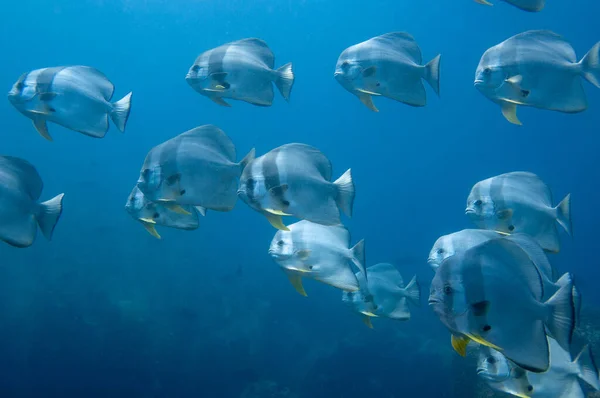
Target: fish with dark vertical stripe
(519, 202)
(196, 168)
(75, 97)
(295, 180)
(494, 294)
(151, 214)
(241, 70)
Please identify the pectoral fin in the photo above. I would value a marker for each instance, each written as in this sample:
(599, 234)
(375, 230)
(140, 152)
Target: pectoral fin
(367, 321)
(42, 128)
(275, 221)
(296, 281)
(151, 230)
(201, 210)
(368, 101)
(459, 343)
(303, 254)
(504, 214)
(370, 71)
(509, 110)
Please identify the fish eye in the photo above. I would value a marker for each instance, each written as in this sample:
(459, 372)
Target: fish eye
(440, 251)
(448, 289)
(280, 243)
(491, 360)
(195, 68)
(19, 85)
(250, 184)
(478, 202)
(487, 71)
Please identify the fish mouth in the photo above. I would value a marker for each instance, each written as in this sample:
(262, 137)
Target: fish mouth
(470, 211)
(478, 82)
(433, 301)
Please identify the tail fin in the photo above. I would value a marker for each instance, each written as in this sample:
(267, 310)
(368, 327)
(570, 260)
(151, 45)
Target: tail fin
(120, 112)
(563, 214)
(576, 303)
(586, 365)
(590, 65)
(561, 319)
(285, 80)
(358, 257)
(413, 291)
(247, 159)
(48, 215)
(432, 74)
(345, 197)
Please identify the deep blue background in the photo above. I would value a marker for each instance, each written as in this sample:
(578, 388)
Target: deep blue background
(105, 310)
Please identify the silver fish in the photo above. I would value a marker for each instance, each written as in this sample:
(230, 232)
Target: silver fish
(457, 242)
(537, 68)
(151, 214)
(319, 252)
(389, 65)
(383, 295)
(20, 212)
(75, 97)
(561, 379)
(241, 70)
(196, 168)
(492, 294)
(295, 179)
(525, 5)
(519, 202)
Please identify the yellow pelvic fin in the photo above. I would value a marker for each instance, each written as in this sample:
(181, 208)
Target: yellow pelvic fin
(148, 220)
(151, 230)
(296, 281)
(502, 233)
(276, 221)
(367, 321)
(484, 2)
(367, 313)
(459, 343)
(509, 111)
(366, 92)
(368, 101)
(277, 212)
(483, 341)
(177, 209)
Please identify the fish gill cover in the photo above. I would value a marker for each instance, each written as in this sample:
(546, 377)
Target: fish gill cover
(157, 225)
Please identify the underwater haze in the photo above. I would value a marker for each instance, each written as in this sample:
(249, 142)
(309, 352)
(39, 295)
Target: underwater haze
(107, 310)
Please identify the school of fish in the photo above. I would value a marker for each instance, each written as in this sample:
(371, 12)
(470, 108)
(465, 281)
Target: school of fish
(494, 288)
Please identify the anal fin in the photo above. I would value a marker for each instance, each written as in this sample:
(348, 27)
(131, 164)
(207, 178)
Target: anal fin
(296, 281)
(220, 101)
(509, 111)
(368, 101)
(42, 128)
(151, 230)
(367, 321)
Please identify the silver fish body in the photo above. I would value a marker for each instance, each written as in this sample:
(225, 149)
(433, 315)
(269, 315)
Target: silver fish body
(525, 5)
(241, 70)
(20, 212)
(538, 69)
(383, 294)
(561, 380)
(75, 97)
(519, 202)
(389, 65)
(457, 242)
(319, 252)
(196, 168)
(295, 179)
(493, 294)
(151, 214)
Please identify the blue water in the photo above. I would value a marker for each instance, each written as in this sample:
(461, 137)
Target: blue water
(106, 310)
